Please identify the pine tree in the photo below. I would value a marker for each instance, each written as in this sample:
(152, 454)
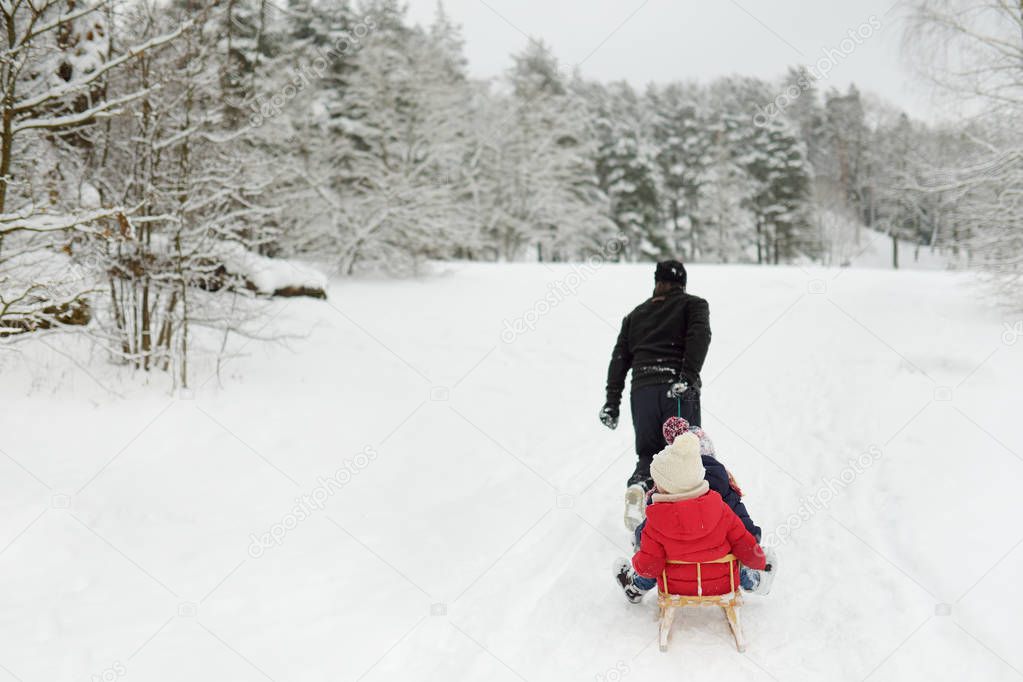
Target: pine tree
(804, 111)
(845, 135)
(628, 172)
(774, 158)
(728, 224)
(400, 136)
(685, 139)
(534, 161)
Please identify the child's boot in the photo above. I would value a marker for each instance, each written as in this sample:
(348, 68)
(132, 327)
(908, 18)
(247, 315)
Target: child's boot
(759, 582)
(625, 577)
(635, 506)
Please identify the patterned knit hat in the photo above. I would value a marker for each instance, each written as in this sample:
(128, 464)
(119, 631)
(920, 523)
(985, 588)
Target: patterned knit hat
(706, 444)
(673, 428)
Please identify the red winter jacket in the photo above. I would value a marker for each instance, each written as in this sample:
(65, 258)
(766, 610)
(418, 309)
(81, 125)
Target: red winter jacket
(700, 529)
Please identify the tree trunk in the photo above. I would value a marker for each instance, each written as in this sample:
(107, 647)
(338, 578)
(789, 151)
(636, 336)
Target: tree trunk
(676, 238)
(760, 251)
(895, 252)
(146, 339)
(10, 80)
(7, 140)
(694, 227)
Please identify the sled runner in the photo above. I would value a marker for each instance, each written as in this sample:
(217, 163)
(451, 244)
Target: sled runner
(729, 603)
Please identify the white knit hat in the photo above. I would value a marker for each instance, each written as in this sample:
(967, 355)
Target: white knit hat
(678, 469)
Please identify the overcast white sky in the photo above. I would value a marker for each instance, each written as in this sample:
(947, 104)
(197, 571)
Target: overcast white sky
(663, 40)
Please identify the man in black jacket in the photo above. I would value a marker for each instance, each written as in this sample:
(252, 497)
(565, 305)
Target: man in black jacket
(664, 341)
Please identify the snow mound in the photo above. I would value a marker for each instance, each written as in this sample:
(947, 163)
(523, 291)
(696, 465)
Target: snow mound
(270, 275)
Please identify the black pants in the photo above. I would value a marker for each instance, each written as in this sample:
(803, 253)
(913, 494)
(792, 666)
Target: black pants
(651, 407)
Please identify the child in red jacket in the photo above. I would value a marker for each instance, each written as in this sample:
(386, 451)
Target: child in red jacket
(687, 522)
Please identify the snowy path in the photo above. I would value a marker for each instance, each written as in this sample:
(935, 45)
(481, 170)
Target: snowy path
(476, 543)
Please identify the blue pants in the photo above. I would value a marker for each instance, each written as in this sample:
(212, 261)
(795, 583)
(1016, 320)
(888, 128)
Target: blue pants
(644, 584)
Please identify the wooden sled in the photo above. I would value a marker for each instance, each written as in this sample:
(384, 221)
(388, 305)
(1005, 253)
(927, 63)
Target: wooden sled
(729, 603)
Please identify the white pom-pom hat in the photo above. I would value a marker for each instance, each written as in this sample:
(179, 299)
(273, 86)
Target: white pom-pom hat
(678, 469)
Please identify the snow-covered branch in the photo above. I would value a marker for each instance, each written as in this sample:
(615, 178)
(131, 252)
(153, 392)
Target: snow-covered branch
(62, 91)
(48, 222)
(105, 109)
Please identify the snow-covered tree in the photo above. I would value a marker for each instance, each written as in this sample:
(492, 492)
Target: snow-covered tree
(773, 157)
(173, 267)
(401, 138)
(533, 183)
(973, 52)
(846, 139)
(805, 112)
(685, 151)
(628, 171)
(728, 224)
(57, 61)
(889, 178)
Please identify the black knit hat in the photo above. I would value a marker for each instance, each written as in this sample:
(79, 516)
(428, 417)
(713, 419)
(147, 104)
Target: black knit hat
(670, 271)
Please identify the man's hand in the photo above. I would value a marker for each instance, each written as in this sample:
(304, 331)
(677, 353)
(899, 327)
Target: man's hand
(609, 416)
(677, 389)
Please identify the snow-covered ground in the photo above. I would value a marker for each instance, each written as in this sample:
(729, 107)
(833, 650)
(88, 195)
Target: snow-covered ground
(875, 251)
(470, 537)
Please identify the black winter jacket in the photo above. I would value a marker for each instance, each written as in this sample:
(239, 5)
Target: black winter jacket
(717, 477)
(665, 339)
